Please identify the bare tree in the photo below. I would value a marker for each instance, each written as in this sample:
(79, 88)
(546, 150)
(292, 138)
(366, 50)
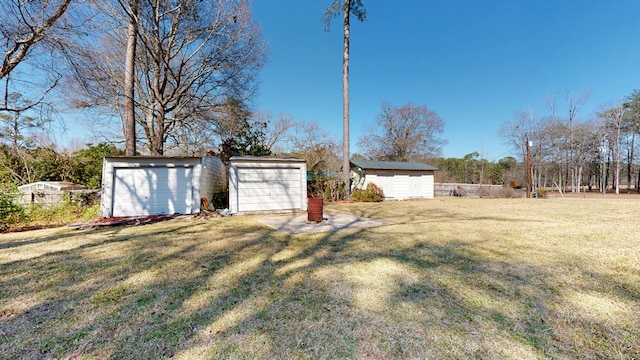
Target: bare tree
(196, 54)
(613, 123)
(275, 130)
(407, 133)
(586, 142)
(316, 146)
(346, 8)
(632, 106)
(574, 103)
(192, 56)
(527, 126)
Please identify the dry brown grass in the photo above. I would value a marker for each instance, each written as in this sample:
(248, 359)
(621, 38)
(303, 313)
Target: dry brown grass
(449, 278)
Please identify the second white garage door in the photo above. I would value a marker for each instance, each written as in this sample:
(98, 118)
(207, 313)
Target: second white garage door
(267, 189)
(145, 191)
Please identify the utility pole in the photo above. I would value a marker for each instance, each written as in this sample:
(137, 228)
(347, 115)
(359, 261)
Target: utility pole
(603, 178)
(528, 167)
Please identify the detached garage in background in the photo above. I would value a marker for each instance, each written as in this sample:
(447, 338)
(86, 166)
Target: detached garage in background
(264, 184)
(140, 186)
(398, 180)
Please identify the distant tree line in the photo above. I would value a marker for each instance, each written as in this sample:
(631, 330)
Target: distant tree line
(578, 155)
(472, 169)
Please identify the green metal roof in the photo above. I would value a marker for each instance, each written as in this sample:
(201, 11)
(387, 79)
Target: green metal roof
(392, 165)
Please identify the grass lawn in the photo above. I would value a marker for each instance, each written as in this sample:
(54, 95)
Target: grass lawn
(448, 278)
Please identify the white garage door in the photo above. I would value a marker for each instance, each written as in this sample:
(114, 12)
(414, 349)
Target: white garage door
(152, 191)
(261, 189)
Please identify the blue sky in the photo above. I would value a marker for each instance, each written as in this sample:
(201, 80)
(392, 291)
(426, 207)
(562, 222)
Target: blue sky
(473, 62)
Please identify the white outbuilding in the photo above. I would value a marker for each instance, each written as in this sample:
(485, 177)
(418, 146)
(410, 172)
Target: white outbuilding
(47, 192)
(140, 186)
(266, 184)
(398, 180)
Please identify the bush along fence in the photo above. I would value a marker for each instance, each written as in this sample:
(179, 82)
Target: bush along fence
(477, 190)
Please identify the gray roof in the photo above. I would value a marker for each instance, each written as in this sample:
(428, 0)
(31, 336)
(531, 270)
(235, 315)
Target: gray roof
(392, 165)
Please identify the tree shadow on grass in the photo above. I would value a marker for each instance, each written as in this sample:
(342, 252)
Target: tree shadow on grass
(236, 289)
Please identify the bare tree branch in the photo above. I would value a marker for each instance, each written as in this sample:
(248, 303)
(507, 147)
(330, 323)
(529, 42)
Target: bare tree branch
(24, 24)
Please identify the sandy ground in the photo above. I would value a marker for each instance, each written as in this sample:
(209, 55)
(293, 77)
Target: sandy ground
(298, 224)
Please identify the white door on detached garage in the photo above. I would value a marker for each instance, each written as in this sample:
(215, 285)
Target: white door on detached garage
(386, 182)
(415, 186)
(268, 189)
(152, 190)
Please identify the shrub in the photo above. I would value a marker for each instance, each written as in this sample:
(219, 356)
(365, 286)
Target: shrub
(63, 212)
(10, 212)
(500, 192)
(372, 193)
(325, 186)
(68, 211)
(542, 193)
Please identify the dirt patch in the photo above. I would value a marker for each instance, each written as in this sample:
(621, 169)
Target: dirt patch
(15, 229)
(117, 221)
(331, 222)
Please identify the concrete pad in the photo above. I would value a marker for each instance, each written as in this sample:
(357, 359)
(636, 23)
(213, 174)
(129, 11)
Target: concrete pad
(332, 222)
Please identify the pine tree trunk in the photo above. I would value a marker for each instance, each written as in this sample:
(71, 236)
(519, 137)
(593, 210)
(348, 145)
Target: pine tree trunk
(346, 165)
(129, 82)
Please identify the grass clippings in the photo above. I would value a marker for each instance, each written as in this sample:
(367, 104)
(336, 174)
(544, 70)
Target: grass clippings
(446, 278)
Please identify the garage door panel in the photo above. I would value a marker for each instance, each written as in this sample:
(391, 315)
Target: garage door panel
(150, 191)
(288, 201)
(269, 206)
(259, 175)
(266, 189)
(270, 184)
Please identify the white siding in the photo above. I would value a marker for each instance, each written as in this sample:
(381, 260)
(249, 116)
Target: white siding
(213, 180)
(428, 186)
(370, 178)
(397, 185)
